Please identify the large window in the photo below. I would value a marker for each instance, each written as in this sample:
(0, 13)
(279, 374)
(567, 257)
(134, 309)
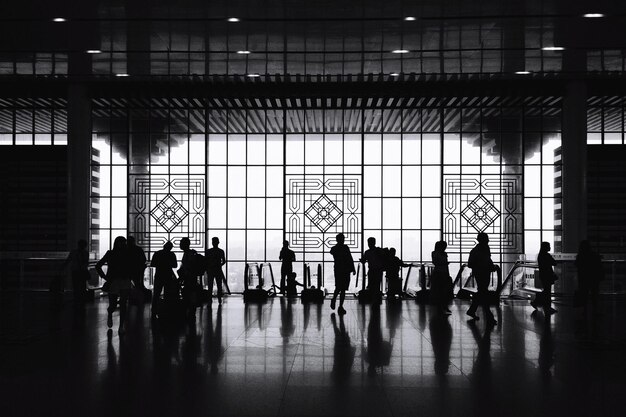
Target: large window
(446, 169)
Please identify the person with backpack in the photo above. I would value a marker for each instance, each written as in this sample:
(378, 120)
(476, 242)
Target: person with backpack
(192, 266)
(482, 267)
(215, 259)
(118, 280)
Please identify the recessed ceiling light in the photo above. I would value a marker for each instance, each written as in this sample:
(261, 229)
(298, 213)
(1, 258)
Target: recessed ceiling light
(233, 19)
(400, 51)
(93, 51)
(593, 15)
(394, 74)
(410, 18)
(59, 19)
(552, 48)
(123, 74)
(253, 75)
(243, 52)
(522, 72)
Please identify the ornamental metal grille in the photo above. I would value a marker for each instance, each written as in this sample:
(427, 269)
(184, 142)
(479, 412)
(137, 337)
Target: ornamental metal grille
(319, 208)
(167, 207)
(483, 203)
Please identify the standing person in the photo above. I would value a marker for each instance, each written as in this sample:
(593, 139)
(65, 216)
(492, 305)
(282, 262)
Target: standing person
(118, 277)
(163, 261)
(344, 265)
(137, 260)
(188, 274)
(482, 266)
(375, 258)
(441, 282)
(394, 282)
(547, 278)
(78, 261)
(590, 273)
(215, 259)
(288, 257)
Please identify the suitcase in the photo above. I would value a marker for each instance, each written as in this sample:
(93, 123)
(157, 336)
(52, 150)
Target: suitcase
(255, 295)
(312, 295)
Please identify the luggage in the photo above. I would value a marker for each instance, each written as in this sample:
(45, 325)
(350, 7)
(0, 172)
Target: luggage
(312, 295)
(255, 295)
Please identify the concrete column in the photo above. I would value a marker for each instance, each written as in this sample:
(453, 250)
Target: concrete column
(574, 159)
(79, 162)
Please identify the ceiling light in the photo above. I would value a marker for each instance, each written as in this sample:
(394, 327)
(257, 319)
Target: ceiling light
(400, 51)
(552, 48)
(243, 52)
(123, 74)
(593, 15)
(93, 51)
(253, 75)
(394, 74)
(59, 19)
(410, 18)
(233, 19)
(522, 72)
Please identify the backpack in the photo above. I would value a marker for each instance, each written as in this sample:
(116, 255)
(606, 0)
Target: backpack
(198, 264)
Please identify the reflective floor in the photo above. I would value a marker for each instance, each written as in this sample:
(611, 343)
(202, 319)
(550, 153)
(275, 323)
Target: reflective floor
(289, 359)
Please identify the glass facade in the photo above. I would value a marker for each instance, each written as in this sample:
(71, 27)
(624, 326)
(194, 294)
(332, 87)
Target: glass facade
(253, 177)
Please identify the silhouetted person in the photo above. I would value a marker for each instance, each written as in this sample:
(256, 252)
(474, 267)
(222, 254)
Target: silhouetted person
(78, 261)
(292, 284)
(137, 263)
(482, 267)
(343, 352)
(118, 278)
(215, 259)
(393, 266)
(590, 273)
(546, 277)
(188, 275)
(440, 281)
(375, 258)
(164, 262)
(343, 267)
(288, 257)
(441, 339)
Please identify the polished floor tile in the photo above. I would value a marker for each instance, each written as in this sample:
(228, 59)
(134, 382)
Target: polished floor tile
(285, 358)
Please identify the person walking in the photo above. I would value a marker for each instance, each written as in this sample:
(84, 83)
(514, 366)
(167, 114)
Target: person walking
(164, 262)
(482, 267)
(215, 258)
(288, 257)
(343, 267)
(440, 282)
(547, 277)
(118, 278)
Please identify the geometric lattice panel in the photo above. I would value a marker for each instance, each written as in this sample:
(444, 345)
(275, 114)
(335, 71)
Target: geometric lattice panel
(320, 206)
(167, 207)
(483, 203)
